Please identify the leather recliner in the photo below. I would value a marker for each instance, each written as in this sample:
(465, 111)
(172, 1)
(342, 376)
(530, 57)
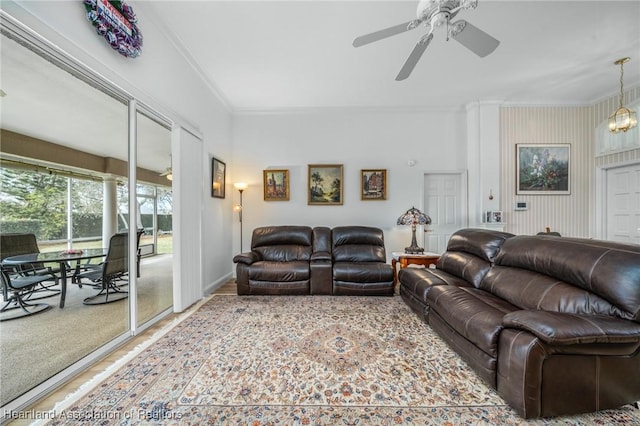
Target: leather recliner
(552, 323)
(278, 263)
(359, 262)
(298, 260)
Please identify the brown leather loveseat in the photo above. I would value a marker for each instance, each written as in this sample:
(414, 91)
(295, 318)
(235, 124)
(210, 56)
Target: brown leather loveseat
(553, 324)
(299, 260)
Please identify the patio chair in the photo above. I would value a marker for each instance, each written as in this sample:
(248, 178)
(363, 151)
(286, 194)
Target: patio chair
(77, 275)
(15, 288)
(18, 244)
(111, 274)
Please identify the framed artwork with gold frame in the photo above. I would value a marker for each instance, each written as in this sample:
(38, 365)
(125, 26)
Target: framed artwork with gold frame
(324, 184)
(275, 185)
(373, 184)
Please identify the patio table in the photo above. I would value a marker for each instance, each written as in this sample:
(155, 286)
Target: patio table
(61, 257)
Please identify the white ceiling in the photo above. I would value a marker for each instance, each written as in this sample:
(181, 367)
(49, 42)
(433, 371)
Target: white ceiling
(281, 55)
(42, 100)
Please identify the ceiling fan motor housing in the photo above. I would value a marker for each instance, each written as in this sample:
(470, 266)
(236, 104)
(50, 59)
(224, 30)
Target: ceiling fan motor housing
(428, 9)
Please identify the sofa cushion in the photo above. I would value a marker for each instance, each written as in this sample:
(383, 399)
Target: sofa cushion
(531, 290)
(570, 329)
(282, 243)
(342, 288)
(473, 313)
(278, 287)
(465, 266)
(279, 271)
(358, 244)
(483, 243)
(367, 272)
(610, 270)
(418, 281)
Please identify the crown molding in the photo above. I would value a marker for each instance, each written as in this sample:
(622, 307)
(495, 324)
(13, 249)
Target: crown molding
(181, 48)
(303, 110)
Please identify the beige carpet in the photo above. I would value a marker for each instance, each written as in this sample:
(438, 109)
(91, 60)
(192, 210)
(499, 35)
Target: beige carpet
(301, 360)
(34, 348)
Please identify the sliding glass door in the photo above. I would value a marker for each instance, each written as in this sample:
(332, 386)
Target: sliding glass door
(65, 176)
(154, 294)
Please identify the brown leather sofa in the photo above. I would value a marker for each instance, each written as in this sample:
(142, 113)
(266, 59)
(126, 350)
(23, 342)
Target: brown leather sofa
(298, 260)
(553, 324)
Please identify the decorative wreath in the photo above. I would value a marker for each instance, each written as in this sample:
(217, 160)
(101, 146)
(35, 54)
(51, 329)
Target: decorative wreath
(127, 43)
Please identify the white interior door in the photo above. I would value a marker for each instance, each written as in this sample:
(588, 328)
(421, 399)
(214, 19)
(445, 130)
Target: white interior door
(445, 201)
(623, 204)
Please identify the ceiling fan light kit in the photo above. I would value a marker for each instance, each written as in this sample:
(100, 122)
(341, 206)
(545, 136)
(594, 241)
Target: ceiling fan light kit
(168, 173)
(434, 14)
(623, 118)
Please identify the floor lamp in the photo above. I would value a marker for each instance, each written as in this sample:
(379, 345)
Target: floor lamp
(240, 186)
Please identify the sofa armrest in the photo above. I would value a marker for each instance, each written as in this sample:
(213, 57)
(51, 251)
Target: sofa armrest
(246, 258)
(321, 256)
(561, 328)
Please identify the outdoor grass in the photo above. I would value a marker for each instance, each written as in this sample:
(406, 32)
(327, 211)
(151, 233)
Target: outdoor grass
(165, 244)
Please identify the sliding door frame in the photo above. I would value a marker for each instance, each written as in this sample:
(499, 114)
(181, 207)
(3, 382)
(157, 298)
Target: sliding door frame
(15, 30)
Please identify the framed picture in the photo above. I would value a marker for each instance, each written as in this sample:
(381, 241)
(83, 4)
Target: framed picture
(373, 184)
(543, 169)
(494, 216)
(218, 178)
(276, 185)
(325, 184)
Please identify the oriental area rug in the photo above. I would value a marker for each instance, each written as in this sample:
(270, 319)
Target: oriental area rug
(302, 360)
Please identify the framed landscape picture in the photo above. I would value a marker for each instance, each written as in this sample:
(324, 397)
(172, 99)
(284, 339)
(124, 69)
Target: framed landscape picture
(543, 169)
(325, 184)
(276, 185)
(373, 184)
(218, 175)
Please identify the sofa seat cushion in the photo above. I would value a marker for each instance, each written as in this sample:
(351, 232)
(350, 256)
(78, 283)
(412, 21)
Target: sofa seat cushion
(362, 272)
(418, 281)
(279, 287)
(341, 288)
(279, 271)
(474, 314)
(467, 267)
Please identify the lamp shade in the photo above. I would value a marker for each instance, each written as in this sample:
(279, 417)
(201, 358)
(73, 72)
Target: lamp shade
(240, 186)
(622, 120)
(414, 217)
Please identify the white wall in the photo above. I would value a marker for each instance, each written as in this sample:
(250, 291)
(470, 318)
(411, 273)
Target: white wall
(161, 78)
(436, 140)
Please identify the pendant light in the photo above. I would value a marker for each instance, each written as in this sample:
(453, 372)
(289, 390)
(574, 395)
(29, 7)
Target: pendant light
(624, 118)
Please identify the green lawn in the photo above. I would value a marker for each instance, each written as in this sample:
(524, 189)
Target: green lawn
(165, 244)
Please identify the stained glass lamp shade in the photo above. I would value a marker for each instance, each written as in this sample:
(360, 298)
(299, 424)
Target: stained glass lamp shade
(413, 217)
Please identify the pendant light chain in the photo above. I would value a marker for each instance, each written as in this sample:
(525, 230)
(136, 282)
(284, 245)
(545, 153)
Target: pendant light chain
(621, 84)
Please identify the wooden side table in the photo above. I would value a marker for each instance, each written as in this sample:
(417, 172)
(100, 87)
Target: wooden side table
(405, 259)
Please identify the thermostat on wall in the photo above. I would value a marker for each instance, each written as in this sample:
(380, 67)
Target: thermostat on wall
(521, 205)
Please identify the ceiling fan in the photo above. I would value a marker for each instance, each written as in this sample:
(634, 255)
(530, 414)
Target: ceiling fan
(433, 14)
(169, 171)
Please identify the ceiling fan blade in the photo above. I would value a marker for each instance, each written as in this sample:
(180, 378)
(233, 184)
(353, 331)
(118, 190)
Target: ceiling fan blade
(473, 38)
(387, 32)
(414, 57)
